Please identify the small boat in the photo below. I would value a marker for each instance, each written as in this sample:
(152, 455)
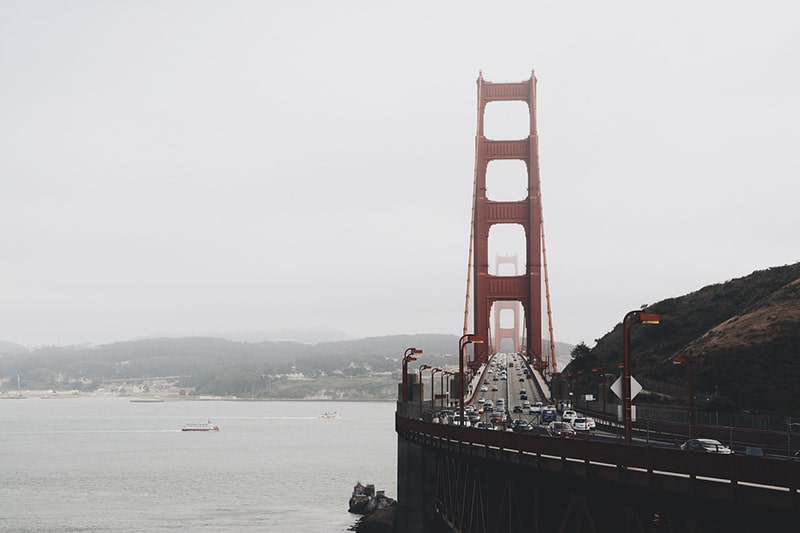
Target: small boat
(208, 426)
(333, 414)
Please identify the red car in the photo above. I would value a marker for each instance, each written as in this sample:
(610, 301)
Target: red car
(560, 429)
(494, 387)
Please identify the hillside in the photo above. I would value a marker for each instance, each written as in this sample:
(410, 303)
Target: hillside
(742, 337)
(364, 368)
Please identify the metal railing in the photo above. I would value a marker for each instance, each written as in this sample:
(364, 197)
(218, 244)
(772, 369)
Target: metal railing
(771, 482)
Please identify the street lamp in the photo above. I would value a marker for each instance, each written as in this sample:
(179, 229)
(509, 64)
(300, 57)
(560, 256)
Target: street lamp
(469, 338)
(421, 368)
(631, 318)
(603, 374)
(433, 389)
(408, 355)
(441, 385)
(682, 360)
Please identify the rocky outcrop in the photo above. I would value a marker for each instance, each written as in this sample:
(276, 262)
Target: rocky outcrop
(377, 508)
(381, 521)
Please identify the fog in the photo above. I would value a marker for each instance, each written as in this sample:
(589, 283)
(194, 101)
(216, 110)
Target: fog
(201, 168)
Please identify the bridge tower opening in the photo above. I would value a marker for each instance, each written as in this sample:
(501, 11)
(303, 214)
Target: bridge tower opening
(503, 333)
(526, 288)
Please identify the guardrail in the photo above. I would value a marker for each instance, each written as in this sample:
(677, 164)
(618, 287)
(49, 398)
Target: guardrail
(772, 483)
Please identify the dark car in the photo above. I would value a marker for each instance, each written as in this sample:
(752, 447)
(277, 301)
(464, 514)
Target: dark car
(706, 446)
(521, 425)
(561, 429)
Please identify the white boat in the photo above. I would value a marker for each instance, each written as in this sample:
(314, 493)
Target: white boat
(208, 426)
(332, 414)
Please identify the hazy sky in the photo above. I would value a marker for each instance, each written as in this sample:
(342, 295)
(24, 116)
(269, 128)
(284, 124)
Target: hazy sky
(201, 167)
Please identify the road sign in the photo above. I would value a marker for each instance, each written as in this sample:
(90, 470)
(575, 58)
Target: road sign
(617, 387)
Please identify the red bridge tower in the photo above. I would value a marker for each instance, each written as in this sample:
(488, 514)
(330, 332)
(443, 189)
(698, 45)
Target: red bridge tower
(527, 287)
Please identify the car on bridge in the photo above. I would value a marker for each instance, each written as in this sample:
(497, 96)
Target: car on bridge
(706, 446)
(582, 423)
(521, 425)
(568, 415)
(457, 421)
(561, 429)
(548, 414)
(497, 417)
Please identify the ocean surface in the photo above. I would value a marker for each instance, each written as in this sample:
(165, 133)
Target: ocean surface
(107, 464)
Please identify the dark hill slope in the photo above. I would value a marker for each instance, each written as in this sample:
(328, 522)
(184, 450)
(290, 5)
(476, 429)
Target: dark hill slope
(742, 336)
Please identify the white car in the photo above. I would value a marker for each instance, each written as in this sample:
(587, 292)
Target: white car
(484, 388)
(568, 415)
(580, 423)
(456, 421)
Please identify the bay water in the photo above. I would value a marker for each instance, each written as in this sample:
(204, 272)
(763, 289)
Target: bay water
(106, 464)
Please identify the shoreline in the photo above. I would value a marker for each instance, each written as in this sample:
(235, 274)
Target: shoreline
(170, 397)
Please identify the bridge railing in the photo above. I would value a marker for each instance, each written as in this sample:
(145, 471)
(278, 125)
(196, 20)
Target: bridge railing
(775, 481)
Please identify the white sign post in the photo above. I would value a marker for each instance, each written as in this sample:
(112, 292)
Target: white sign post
(617, 387)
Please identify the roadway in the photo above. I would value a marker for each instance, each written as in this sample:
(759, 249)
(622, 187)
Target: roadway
(506, 380)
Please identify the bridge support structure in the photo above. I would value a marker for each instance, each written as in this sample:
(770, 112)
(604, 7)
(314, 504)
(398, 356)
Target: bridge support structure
(527, 287)
(480, 481)
(502, 332)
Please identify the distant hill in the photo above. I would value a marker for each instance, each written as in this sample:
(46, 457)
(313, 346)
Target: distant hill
(226, 367)
(742, 337)
(7, 347)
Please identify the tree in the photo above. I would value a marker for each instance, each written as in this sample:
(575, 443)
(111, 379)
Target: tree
(581, 351)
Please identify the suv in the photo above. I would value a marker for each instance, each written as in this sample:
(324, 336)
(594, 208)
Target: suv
(548, 414)
(580, 423)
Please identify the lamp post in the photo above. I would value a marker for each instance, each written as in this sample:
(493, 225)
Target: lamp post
(603, 375)
(433, 389)
(408, 355)
(445, 395)
(421, 368)
(468, 338)
(570, 387)
(631, 318)
(682, 360)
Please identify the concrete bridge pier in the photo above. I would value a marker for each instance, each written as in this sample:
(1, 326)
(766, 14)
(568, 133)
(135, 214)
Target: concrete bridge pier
(416, 488)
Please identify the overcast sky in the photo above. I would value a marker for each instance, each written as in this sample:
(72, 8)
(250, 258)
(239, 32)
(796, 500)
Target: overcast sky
(200, 167)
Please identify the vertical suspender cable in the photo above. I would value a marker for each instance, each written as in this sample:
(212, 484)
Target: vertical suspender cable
(553, 363)
(472, 216)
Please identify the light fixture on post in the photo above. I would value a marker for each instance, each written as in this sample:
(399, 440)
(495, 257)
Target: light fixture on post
(441, 385)
(683, 360)
(469, 338)
(408, 355)
(419, 384)
(602, 372)
(433, 389)
(631, 318)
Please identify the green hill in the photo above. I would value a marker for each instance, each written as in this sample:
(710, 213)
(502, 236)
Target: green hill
(741, 336)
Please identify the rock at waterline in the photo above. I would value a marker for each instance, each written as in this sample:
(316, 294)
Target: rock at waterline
(381, 521)
(377, 508)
